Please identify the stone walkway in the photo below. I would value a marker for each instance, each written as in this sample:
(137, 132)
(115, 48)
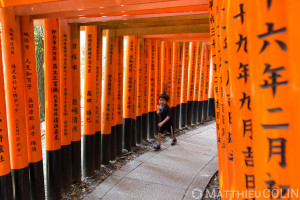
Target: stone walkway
(172, 173)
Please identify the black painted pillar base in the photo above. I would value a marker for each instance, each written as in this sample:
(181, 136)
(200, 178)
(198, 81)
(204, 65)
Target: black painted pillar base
(195, 112)
(37, 186)
(133, 135)
(97, 150)
(119, 136)
(138, 129)
(88, 163)
(199, 114)
(53, 174)
(66, 168)
(127, 133)
(151, 126)
(105, 148)
(177, 116)
(189, 115)
(113, 142)
(211, 107)
(183, 113)
(21, 186)
(6, 188)
(144, 127)
(173, 110)
(76, 161)
(204, 110)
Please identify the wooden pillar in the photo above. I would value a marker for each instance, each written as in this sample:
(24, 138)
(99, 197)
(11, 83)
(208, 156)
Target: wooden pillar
(159, 76)
(273, 91)
(35, 158)
(169, 70)
(119, 103)
(184, 85)
(211, 99)
(151, 91)
(107, 97)
(179, 79)
(76, 103)
(89, 101)
(134, 98)
(98, 99)
(52, 97)
(197, 82)
(206, 83)
(191, 82)
(145, 84)
(174, 76)
(139, 92)
(202, 82)
(65, 103)
(5, 171)
(129, 92)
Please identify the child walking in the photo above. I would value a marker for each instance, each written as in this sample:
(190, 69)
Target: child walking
(166, 122)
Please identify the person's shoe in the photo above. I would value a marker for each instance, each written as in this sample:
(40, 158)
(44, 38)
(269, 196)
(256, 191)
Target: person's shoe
(174, 142)
(156, 147)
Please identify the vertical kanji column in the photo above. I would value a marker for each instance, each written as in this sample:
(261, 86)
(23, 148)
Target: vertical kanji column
(145, 75)
(151, 91)
(174, 75)
(65, 103)
(197, 83)
(179, 79)
(162, 74)
(202, 82)
(191, 82)
(119, 102)
(184, 85)
(98, 99)
(76, 103)
(14, 90)
(89, 101)
(206, 83)
(6, 186)
(107, 96)
(159, 74)
(52, 97)
(33, 128)
(129, 92)
(139, 90)
(169, 71)
(273, 91)
(134, 97)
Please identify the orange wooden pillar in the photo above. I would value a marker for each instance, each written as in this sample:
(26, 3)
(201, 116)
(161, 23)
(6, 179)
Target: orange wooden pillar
(139, 89)
(35, 157)
(169, 70)
(211, 99)
(272, 95)
(52, 97)
(145, 85)
(107, 96)
(129, 92)
(14, 90)
(191, 82)
(76, 103)
(151, 91)
(98, 99)
(174, 76)
(241, 105)
(5, 171)
(159, 75)
(89, 101)
(293, 35)
(184, 85)
(179, 57)
(65, 103)
(112, 153)
(202, 82)
(162, 59)
(134, 90)
(119, 100)
(206, 84)
(197, 82)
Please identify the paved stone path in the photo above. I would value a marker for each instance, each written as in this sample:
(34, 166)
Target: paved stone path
(172, 173)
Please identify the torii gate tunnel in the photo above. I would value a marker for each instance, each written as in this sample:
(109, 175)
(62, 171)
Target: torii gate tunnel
(233, 61)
